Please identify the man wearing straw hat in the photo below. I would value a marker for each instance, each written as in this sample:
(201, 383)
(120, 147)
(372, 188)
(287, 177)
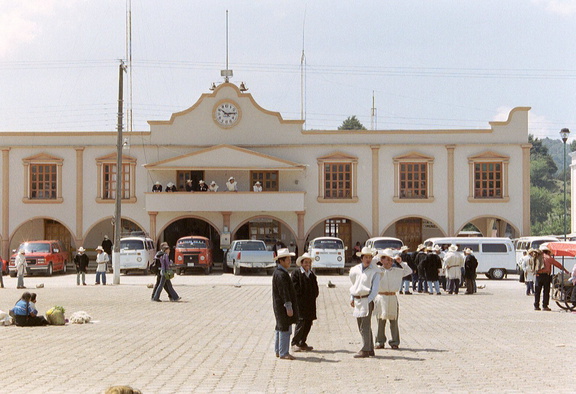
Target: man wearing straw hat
(543, 270)
(306, 287)
(101, 261)
(284, 303)
(81, 262)
(453, 263)
(386, 302)
(365, 278)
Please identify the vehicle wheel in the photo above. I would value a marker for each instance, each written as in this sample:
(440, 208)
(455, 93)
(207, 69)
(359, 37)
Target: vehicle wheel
(236, 269)
(488, 275)
(497, 273)
(50, 270)
(12, 274)
(207, 271)
(341, 271)
(65, 267)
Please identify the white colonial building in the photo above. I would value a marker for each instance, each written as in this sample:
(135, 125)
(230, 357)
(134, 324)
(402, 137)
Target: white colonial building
(412, 184)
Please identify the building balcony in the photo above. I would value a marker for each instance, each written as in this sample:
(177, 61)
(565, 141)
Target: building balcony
(225, 201)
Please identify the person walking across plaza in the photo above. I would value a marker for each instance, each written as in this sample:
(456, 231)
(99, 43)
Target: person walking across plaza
(306, 286)
(284, 303)
(386, 305)
(453, 264)
(165, 280)
(543, 267)
(470, 265)
(528, 270)
(365, 278)
(81, 263)
(20, 264)
(102, 260)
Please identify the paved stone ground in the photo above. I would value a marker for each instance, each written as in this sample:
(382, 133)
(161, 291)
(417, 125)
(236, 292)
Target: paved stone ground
(220, 339)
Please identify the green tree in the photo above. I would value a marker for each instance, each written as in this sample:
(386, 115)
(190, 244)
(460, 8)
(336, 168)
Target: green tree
(351, 123)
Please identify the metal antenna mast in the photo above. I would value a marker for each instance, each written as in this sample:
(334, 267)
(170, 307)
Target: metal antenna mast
(227, 74)
(373, 115)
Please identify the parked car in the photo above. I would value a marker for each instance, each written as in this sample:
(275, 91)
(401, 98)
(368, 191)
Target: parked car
(193, 252)
(136, 253)
(4, 267)
(249, 254)
(496, 256)
(44, 257)
(381, 243)
(328, 253)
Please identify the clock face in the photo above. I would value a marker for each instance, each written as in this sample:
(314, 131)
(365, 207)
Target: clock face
(226, 114)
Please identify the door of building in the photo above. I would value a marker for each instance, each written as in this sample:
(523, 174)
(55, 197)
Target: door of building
(54, 230)
(410, 232)
(341, 228)
(183, 176)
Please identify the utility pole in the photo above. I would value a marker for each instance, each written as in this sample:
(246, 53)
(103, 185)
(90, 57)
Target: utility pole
(119, 179)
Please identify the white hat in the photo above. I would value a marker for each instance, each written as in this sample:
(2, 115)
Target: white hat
(544, 247)
(365, 251)
(189, 181)
(437, 248)
(257, 183)
(421, 247)
(81, 249)
(386, 253)
(284, 252)
(200, 181)
(21, 251)
(468, 251)
(100, 248)
(212, 183)
(230, 178)
(170, 184)
(304, 257)
(157, 182)
(403, 248)
(453, 248)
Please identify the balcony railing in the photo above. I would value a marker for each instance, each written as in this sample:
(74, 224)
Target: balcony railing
(225, 201)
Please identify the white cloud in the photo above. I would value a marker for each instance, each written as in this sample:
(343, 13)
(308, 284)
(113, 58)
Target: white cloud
(22, 21)
(560, 7)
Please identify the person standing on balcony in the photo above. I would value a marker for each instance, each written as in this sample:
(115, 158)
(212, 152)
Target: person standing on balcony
(157, 187)
(202, 186)
(213, 187)
(188, 186)
(257, 187)
(232, 185)
(170, 187)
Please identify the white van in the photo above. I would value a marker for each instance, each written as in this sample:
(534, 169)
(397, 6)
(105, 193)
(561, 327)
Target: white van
(523, 244)
(136, 253)
(381, 243)
(496, 256)
(328, 252)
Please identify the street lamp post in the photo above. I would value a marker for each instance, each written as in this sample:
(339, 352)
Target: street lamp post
(564, 133)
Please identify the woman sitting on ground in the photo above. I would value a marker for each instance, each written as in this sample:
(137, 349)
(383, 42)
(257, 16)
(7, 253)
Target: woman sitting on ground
(25, 314)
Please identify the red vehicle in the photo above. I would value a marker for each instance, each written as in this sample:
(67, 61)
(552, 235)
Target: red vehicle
(193, 252)
(42, 256)
(4, 267)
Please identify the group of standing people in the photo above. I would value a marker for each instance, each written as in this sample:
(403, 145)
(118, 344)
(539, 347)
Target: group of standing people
(434, 268)
(231, 186)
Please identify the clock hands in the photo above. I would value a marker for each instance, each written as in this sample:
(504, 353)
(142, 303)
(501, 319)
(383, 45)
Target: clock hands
(227, 113)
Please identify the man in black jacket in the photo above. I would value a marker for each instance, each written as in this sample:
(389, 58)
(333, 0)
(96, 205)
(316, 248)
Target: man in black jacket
(306, 287)
(432, 264)
(284, 303)
(81, 262)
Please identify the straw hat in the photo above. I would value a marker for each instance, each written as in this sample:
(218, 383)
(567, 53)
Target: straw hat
(437, 248)
(212, 183)
(453, 248)
(386, 253)
(544, 247)
(257, 183)
(403, 248)
(81, 249)
(304, 257)
(284, 252)
(468, 251)
(100, 248)
(200, 181)
(365, 251)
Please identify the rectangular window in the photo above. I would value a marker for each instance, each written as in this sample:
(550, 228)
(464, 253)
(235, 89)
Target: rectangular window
(337, 180)
(109, 176)
(268, 180)
(488, 180)
(43, 181)
(413, 180)
(494, 248)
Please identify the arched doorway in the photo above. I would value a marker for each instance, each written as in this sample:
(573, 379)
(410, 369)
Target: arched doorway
(344, 228)
(96, 233)
(413, 231)
(267, 229)
(191, 226)
(42, 229)
(492, 226)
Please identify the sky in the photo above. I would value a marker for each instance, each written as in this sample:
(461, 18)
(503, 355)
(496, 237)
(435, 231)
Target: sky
(427, 64)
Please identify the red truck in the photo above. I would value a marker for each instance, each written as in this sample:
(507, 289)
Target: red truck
(44, 257)
(193, 252)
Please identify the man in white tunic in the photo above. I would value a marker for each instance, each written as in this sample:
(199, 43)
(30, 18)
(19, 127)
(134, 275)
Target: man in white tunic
(386, 303)
(365, 278)
(453, 263)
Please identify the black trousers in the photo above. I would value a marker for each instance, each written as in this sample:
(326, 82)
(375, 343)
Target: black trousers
(29, 321)
(302, 330)
(158, 279)
(542, 285)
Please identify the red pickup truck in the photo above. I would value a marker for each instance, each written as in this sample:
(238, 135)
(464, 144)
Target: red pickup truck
(42, 257)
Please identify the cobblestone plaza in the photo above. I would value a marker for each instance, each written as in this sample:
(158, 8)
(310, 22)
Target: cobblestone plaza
(220, 339)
